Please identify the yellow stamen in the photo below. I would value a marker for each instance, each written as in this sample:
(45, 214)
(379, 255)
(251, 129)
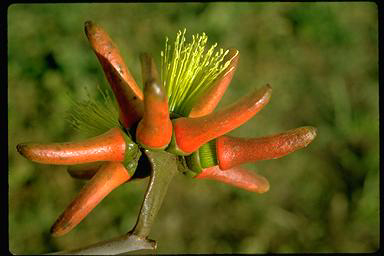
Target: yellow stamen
(187, 71)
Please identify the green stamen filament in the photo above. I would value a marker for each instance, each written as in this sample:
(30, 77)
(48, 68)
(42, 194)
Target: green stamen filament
(94, 117)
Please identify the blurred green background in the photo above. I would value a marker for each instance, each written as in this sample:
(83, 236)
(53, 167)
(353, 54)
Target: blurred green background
(322, 62)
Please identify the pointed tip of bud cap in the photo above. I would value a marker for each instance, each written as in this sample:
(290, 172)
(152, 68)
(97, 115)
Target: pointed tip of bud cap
(149, 73)
(268, 89)
(56, 230)
(233, 55)
(88, 23)
(264, 93)
(264, 186)
(154, 88)
(26, 150)
(88, 26)
(21, 148)
(311, 133)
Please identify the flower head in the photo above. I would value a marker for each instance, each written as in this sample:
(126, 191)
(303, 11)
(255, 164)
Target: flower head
(171, 124)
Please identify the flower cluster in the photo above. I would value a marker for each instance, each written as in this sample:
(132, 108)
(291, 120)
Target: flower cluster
(173, 113)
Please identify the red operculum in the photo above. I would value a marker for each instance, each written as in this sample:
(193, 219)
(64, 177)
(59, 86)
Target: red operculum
(207, 103)
(191, 133)
(233, 151)
(155, 129)
(109, 146)
(109, 177)
(128, 95)
(237, 177)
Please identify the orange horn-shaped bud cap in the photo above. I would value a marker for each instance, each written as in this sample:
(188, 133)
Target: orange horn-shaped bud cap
(236, 177)
(191, 133)
(155, 129)
(110, 146)
(206, 104)
(129, 96)
(110, 176)
(235, 151)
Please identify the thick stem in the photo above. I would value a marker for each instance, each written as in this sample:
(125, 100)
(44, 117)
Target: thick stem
(164, 167)
(118, 245)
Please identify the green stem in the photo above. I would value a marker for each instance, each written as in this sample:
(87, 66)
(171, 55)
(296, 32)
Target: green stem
(118, 245)
(164, 168)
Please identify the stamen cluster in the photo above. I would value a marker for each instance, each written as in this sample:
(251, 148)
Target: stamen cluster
(187, 71)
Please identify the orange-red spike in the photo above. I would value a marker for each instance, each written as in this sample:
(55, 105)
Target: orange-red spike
(109, 177)
(109, 146)
(233, 151)
(191, 133)
(237, 177)
(129, 96)
(155, 129)
(206, 104)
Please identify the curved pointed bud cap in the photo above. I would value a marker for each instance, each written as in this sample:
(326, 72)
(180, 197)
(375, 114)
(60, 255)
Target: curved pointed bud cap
(233, 151)
(191, 133)
(155, 129)
(129, 96)
(236, 177)
(110, 146)
(206, 104)
(110, 176)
